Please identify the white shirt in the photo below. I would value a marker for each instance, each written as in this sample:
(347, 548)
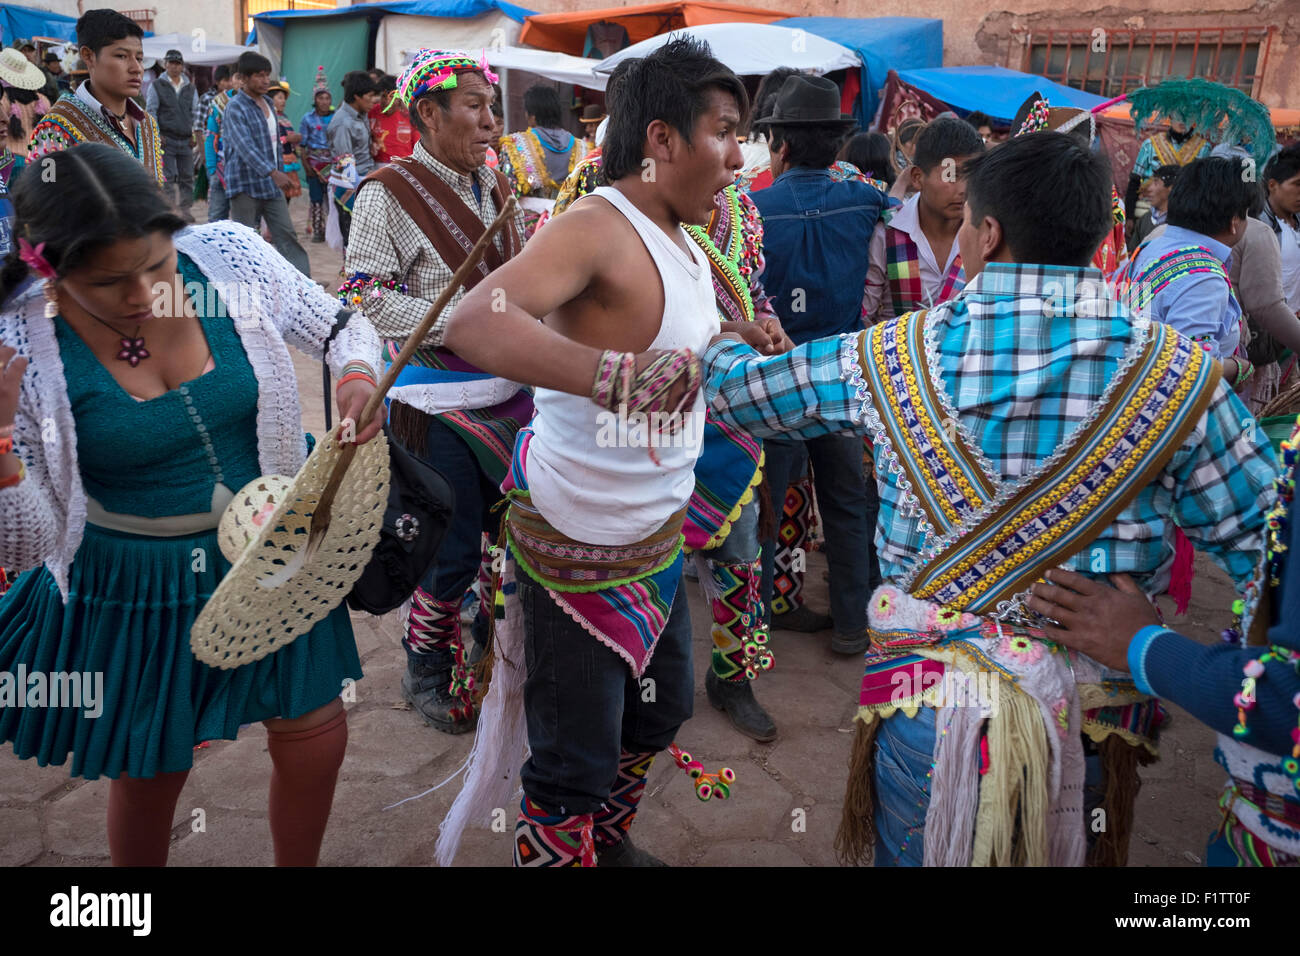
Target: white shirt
(601, 478)
(1290, 239)
(877, 303)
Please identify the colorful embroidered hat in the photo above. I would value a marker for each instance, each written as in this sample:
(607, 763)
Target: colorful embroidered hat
(436, 70)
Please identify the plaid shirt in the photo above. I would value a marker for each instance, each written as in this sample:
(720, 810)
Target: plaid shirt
(385, 242)
(1021, 374)
(248, 149)
(202, 108)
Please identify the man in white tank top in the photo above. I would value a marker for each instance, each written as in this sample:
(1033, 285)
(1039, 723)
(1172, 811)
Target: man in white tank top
(598, 492)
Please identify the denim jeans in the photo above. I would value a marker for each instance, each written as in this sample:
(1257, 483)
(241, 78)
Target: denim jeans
(741, 544)
(476, 493)
(584, 707)
(848, 506)
(904, 752)
(218, 201)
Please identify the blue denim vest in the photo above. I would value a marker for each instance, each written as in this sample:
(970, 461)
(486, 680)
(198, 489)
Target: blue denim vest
(815, 237)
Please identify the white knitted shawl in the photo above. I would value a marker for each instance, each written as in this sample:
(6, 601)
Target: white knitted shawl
(272, 305)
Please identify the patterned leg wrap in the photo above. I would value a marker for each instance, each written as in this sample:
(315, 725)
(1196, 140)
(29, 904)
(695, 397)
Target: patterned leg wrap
(792, 548)
(740, 650)
(434, 625)
(613, 822)
(545, 840)
(318, 219)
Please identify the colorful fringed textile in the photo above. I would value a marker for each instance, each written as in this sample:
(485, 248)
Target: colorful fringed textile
(792, 541)
(727, 472)
(525, 156)
(434, 625)
(543, 839)
(620, 594)
(739, 636)
(985, 548)
(489, 432)
(903, 273)
(612, 823)
(1139, 287)
(1137, 722)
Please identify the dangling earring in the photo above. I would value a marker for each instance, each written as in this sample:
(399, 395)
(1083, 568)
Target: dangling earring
(51, 300)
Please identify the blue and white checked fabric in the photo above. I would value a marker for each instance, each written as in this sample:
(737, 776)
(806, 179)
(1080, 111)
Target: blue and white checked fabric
(1023, 354)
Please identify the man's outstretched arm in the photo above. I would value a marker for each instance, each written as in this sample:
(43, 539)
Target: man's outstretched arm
(806, 392)
(497, 326)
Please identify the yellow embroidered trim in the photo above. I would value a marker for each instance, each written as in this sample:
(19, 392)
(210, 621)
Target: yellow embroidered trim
(1040, 502)
(906, 360)
(1099, 732)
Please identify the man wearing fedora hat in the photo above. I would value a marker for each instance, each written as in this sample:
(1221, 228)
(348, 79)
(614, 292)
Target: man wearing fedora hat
(591, 118)
(175, 104)
(816, 235)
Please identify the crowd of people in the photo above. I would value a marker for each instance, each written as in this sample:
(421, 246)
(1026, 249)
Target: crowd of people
(1015, 398)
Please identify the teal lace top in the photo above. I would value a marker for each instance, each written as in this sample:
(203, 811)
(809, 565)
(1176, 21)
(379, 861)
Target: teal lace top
(165, 456)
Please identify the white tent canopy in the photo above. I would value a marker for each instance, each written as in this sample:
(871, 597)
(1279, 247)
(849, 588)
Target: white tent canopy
(194, 47)
(751, 49)
(400, 36)
(554, 66)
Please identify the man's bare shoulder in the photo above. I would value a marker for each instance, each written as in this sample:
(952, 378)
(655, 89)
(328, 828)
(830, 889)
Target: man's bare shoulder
(590, 224)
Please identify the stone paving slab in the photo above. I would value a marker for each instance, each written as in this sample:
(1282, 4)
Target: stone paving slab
(784, 811)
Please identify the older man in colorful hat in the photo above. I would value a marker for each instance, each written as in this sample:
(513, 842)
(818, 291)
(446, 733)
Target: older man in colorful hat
(413, 222)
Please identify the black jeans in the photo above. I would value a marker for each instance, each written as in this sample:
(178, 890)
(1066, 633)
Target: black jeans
(584, 707)
(848, 506)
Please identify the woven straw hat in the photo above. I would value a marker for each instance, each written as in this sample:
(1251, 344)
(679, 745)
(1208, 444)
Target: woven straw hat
(17, 70)
(279, 587)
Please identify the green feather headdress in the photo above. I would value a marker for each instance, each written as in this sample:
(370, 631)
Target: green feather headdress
(1218, 112)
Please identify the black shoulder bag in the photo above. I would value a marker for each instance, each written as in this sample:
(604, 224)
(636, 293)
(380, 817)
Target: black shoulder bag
(420, 505)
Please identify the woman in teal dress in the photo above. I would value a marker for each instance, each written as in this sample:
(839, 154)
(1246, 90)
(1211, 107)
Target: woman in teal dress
(141, 383)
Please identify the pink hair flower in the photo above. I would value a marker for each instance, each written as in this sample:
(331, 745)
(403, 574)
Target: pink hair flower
(35, 258)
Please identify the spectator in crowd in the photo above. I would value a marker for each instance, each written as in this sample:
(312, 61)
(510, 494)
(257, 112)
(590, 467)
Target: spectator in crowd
(54, 68)
(21, 81)
(213, 152)
(391, 132)
(255, 179)
(869, 153)
(1282, 180)
(174, 103)
(349, 135)
(1157, 196)
(317, 157)
(983, 125)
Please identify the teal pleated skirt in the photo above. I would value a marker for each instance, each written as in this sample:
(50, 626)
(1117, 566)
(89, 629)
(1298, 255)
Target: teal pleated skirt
(132, 600)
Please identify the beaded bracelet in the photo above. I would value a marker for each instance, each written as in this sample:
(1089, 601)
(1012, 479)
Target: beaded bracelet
(353, 291)
(15, 478)
(6, 444)
(358, 366)
(355, 377)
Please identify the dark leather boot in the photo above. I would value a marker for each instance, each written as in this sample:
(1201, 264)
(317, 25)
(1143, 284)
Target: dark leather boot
(802, 619)
(737, 699)
(427, 685)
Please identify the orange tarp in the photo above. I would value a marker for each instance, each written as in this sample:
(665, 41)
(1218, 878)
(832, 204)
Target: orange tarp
(567, 32)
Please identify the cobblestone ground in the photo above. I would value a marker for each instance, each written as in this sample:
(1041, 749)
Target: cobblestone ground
(47, 819)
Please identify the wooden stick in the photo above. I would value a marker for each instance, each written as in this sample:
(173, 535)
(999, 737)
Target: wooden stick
(320, 518)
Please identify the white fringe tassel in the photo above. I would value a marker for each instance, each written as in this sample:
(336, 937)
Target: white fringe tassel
(501, 744)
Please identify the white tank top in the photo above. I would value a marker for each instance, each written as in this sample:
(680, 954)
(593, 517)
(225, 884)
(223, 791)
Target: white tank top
(592, 476)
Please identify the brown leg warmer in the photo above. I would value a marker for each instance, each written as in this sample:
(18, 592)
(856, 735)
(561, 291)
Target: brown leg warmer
(306, 766)
(140, 818)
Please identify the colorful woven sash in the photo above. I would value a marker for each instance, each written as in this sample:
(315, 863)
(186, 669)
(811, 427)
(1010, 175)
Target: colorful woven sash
(903, 272)
(730, 463)
(620, 594)
(994, 542)
(1139, 287)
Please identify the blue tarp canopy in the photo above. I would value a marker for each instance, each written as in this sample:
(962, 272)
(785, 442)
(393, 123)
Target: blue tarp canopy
(23, 23)
(463, 9)
(994, 90)
(884, 43)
